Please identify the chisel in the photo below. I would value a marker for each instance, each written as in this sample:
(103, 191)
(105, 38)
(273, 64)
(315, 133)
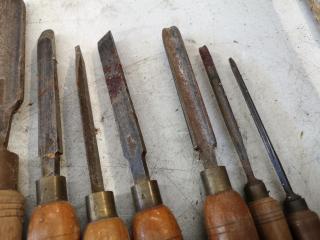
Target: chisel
(304, 224)
(12, 57)
(226, 214)
(104, 222)
(54, 217)
(153, 220)
(266, 211)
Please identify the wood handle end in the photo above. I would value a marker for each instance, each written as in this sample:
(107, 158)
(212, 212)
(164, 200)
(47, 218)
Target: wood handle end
(270, 220)
(55, 220)
(304, 225)
(228, 217)
(157, 223)
(11, 214)
(109, 228)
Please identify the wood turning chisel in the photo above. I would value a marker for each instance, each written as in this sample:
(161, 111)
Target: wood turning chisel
(54, 217)
(304, 223)
(12, 59)
(266, 211)
(226, 214)
(153, 220)
(104, 222)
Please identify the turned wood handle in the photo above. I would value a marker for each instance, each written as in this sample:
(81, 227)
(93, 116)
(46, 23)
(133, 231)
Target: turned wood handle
(11, 215)
(109, 228)
(55, 220)
(304, 225)
(228, 217)
(270, 220)
(157, 223)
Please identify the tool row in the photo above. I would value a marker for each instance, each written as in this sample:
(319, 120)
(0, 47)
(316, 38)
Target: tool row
(226, 214)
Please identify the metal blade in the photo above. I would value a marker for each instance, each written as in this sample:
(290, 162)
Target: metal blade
(12, 57)
(198, 122)
(226, 111)
(262, 131)
(130, 135)
(50, 142)
(89, 132)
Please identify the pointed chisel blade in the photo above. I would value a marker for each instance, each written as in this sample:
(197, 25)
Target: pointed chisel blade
(89, 132)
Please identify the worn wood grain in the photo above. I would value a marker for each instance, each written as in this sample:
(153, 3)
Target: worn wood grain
(157, 223)
(228, 217)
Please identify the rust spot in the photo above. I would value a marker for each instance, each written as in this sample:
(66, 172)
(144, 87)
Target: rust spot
(114, 79)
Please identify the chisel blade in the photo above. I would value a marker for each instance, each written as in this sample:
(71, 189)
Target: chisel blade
(89, 131)
(12, 57)
(261, 129)
(50, 142)
(194, 110)
(130, 134)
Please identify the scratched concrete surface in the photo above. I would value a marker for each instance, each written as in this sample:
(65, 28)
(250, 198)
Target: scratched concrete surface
(276, 44)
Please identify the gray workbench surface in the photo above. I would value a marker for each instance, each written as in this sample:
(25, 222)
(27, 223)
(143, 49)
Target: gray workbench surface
(276, 45)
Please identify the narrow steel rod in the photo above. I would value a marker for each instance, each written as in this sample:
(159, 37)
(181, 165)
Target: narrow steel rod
(226, 111)
(262, 131)
(89, 132)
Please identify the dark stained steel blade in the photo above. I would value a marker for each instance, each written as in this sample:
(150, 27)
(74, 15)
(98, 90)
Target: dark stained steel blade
(197, 119)
(262, 131)
(50, 142)
(12, 57)
(89, 132)
(130, 134)
(226, 111)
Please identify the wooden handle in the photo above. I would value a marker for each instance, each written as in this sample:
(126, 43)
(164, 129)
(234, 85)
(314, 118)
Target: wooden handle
(11, 214)
(228, 217)
(55, 220)
(157, 223)
(270, 220)
(304, 225)
(110, 229)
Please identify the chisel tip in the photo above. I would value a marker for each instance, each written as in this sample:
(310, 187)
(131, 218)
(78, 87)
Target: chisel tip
(107, 38)
(47, 34)
(232, 63)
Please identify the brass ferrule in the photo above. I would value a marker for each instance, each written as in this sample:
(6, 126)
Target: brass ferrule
(215, 180)
(50, 189)
(101, 205)
(255, 191)
(146, 194)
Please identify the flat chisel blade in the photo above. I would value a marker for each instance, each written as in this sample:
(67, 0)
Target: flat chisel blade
(12, 57)
(50, 142)
(89, 131)
(130, 134)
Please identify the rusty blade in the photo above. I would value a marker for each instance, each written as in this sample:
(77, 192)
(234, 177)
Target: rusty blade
(226, 111)
(130, 134)
(12, 54)
(50, 142)
(262, 131)
(89, 132)
(198, 122)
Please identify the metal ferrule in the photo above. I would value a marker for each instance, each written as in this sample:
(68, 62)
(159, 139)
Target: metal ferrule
(146, 194)
(255, 191)
(294, 203)
(215, 180)
(101, 205)
(50, 189)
